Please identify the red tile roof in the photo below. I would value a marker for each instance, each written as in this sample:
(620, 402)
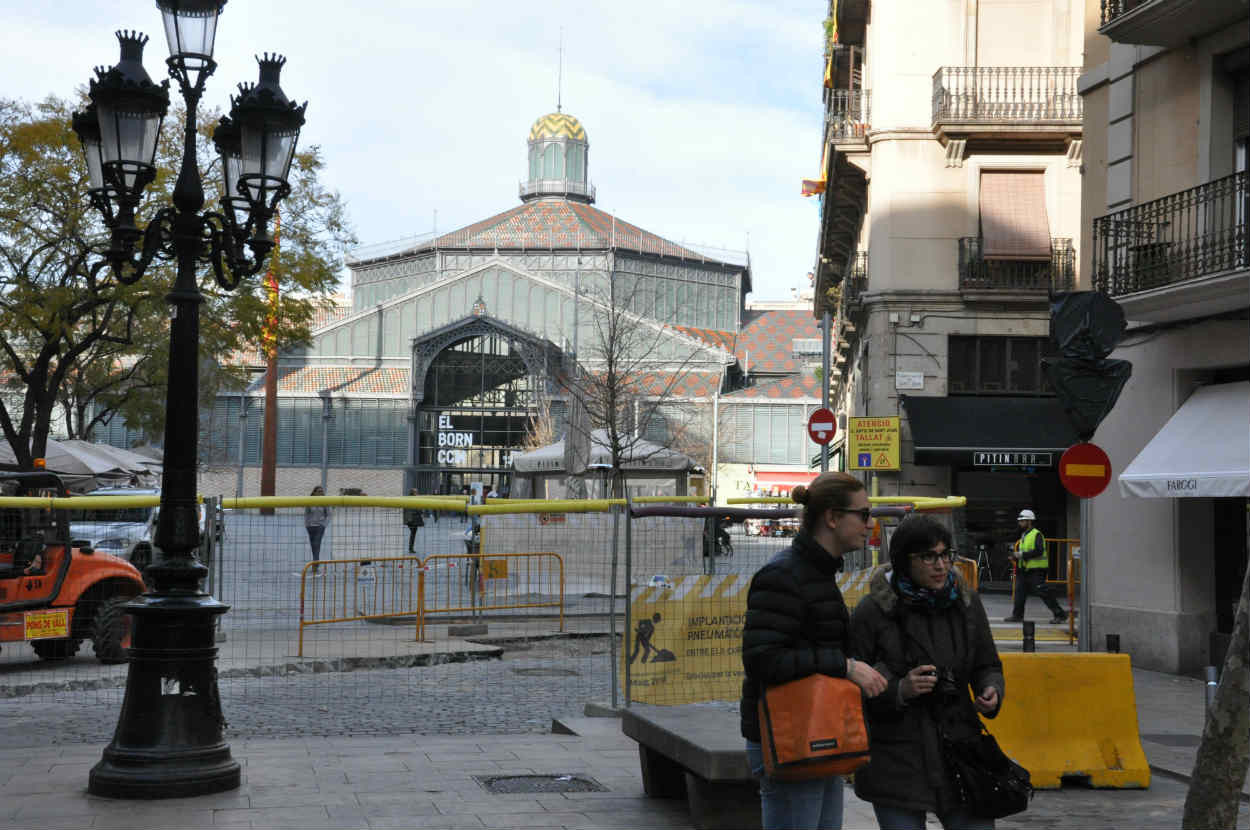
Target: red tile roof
(766, 342)
(558, 223)
(791, 388)
(339, 380)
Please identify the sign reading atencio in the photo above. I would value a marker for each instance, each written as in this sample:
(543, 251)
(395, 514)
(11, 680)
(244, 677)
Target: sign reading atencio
(822, 426)
(1084, 470)
(872, 443)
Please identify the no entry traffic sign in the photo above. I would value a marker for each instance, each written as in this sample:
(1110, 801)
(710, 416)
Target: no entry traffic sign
(1085, 470)
(822, 426)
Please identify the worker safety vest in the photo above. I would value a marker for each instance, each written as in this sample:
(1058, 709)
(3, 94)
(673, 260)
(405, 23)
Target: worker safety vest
(1029, 542)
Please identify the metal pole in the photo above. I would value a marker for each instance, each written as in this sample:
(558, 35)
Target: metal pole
(616, 524)
(712, 478)
(1087, 581)
(629, 593)
(238, 485)
(826, 327)
(326, 416)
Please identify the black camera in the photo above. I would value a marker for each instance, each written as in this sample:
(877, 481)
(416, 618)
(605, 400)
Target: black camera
(946, 684)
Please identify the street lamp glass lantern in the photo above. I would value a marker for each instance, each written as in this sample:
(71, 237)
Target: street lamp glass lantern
(129, 110)
(269, 125)
(87, 126)
(226, 138)
(190, 29)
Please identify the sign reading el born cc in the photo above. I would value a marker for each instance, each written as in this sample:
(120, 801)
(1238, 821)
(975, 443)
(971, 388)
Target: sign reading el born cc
(452, 444)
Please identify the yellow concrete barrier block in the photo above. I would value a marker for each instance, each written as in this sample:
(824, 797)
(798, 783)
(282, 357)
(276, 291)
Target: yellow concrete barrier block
(1072, 715)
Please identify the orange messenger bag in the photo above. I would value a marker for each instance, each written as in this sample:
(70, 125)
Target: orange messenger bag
(813, 727)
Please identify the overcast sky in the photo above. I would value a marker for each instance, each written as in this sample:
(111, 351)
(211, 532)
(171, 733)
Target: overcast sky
(702, 116)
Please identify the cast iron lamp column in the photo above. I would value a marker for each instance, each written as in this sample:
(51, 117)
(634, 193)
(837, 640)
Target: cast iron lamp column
(169, 740)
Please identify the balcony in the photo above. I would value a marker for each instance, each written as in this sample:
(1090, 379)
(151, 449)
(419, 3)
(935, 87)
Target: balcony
(847, 115)
(1000, 278)
(1184, 255)
(1007, 103)
(578, 191)
(1170, 23)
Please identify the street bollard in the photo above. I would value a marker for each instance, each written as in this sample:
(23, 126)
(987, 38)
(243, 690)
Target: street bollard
(1113, 643)
(1213, 682)
(1028, 643)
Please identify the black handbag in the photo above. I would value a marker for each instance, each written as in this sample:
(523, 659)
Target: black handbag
(989, 784)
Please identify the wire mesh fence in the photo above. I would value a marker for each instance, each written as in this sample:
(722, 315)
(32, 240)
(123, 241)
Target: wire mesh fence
(495, 619)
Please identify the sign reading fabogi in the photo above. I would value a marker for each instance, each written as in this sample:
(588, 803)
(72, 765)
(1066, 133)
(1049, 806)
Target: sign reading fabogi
(686, 642)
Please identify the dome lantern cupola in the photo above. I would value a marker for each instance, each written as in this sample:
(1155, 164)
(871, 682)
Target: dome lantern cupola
(558, 160)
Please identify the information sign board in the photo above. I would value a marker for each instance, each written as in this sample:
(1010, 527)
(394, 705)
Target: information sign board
(872, 443)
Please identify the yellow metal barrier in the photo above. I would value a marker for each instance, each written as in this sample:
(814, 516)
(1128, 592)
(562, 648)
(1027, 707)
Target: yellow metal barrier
(491, 582)
(1072, 715)
(917, 502)
(454, 503)
(367, 588)
(968, 570)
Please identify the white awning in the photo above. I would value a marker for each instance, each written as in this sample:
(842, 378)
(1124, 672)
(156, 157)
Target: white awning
(1203, 451)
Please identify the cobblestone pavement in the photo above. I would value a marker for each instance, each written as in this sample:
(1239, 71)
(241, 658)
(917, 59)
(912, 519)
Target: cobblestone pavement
(492, 697)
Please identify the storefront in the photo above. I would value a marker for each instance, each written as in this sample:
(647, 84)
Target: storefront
(1003, 456)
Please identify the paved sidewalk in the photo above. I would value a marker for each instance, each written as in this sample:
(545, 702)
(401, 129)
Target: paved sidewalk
(414, 781)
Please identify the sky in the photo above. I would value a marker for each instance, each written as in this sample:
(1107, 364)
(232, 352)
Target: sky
(702, 116)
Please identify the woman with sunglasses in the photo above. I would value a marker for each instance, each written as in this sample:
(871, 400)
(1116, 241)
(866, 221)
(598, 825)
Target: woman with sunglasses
(796, 625)
(924, 629)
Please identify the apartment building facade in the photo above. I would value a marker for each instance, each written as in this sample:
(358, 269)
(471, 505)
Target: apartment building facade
(1166, 89)
(951, 207)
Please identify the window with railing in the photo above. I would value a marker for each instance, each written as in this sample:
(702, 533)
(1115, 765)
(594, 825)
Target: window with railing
(848, 113)
(977, 272)
(997, 94)
(1179, 237)
(1111, 9)
(998, 365)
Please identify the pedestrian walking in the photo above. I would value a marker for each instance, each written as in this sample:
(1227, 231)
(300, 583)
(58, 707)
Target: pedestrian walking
(796, 626)
(925, 630)
(413, 520)
(316, 520)
(1029, 552)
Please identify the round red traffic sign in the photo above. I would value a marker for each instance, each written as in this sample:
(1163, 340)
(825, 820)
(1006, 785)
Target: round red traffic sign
(822, 426)
(1085, 470)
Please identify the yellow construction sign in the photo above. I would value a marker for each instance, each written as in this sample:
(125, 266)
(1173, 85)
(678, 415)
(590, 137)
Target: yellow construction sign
(872, 443)
(686, 642)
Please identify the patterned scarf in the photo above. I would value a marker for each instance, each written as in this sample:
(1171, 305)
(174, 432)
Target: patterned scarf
(930, 598)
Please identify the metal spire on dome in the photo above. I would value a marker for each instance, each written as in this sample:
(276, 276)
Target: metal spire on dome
(560, 76)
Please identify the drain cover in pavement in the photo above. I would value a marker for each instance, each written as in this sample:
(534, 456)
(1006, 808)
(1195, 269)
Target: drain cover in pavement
(545, 672)
(507, 784)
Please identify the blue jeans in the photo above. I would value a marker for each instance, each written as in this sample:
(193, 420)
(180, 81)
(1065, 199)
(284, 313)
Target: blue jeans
(315, 532)
(896, 818)
(802, 805)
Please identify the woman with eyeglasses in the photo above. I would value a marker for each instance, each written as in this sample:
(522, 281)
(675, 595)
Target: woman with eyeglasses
(925, 631)
(796, 625)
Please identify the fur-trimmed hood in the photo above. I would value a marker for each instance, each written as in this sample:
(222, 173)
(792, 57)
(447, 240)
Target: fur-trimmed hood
(881, 590)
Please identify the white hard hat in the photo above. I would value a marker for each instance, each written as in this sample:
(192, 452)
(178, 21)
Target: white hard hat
(1026, 514)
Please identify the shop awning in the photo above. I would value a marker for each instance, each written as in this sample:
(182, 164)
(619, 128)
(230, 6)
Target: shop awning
(784, 478)
(1203, 451)
(987, 431)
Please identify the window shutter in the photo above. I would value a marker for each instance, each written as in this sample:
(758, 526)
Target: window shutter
(1014, 224)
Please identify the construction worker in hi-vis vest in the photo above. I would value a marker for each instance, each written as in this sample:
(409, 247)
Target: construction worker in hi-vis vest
(1029, 552)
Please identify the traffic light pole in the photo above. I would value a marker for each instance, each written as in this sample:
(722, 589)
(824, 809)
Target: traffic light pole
(825, 340)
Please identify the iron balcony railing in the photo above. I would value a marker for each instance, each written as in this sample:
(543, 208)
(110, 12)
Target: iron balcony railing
(1006, 94)
(855, 283)
(556, 187)
(848, 113)
(1111, 9)
(1179, 237)
(977, 273)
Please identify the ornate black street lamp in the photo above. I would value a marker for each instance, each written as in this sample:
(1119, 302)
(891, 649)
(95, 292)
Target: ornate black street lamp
(169, 740)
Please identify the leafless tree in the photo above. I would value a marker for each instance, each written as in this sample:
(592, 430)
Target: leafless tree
(625, 378)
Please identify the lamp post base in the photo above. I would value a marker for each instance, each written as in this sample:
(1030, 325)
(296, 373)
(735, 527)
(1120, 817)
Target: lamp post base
(169, 739)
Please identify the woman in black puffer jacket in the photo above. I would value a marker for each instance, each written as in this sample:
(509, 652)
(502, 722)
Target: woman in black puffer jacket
(796, 625)
(926, 632)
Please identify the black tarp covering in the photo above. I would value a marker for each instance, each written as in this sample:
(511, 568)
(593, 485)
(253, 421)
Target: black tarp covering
(1086, 326)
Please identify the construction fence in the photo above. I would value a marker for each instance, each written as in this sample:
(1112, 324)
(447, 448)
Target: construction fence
(568, 602)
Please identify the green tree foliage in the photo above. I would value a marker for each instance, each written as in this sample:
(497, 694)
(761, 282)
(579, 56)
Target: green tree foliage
(73, 337)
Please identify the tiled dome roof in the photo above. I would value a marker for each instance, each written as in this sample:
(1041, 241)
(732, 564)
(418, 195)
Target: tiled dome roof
(557, 125)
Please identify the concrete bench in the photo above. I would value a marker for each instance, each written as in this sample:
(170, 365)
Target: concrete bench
(698, 754)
